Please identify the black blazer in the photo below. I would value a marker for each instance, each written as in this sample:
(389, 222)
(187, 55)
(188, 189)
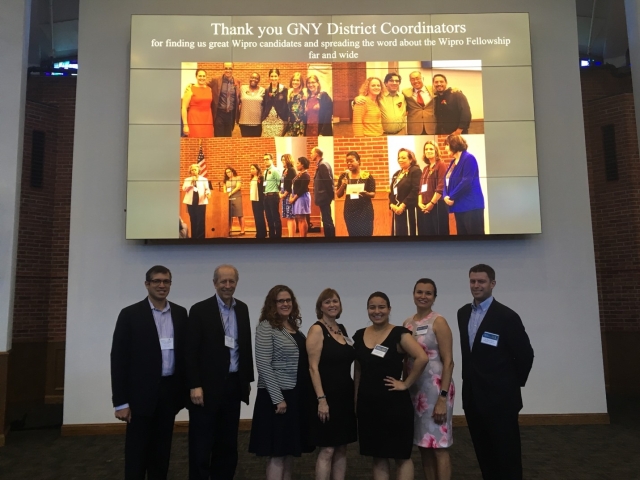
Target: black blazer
(278, 101)
(492, 376)
(408, 187)
(208, 359)
(323, 188)
(136, 358)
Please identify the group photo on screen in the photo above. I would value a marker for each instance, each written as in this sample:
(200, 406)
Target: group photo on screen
(404, 146)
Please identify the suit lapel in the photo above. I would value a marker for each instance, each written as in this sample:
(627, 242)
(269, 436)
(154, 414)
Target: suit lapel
(464, 330)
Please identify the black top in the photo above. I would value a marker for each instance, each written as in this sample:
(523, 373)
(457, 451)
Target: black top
(287, 177)
(452, 111)
(374, 369)
(278, 100)
(369, 186)
(301, 184)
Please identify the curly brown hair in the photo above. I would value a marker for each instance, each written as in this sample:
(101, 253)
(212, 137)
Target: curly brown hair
(269, 311)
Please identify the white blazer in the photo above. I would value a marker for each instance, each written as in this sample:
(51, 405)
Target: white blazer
(202, 185)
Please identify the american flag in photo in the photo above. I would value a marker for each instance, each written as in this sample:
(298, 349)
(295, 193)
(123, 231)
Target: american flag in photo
(202, 163)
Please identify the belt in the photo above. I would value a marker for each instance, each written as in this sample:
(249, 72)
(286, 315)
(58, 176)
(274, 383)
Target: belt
(271, 193)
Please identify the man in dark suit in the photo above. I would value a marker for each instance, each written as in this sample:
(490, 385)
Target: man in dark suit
(147, 376)
(219, 372)
(496, 361)
(323, 191)
(225, 102)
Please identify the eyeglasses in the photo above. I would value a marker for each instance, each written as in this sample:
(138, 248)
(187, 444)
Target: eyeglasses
(156, 281)
(282, 301)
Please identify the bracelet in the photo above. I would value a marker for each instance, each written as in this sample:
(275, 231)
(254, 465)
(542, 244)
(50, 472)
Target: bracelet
(321, 397)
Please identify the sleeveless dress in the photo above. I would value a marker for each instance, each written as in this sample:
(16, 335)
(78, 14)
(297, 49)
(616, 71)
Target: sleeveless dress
(199, 116)
(426, 390)
(337, 384)
(296, 116)
(385, 418)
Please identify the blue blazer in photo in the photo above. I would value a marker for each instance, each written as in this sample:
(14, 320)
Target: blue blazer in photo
(463, 186)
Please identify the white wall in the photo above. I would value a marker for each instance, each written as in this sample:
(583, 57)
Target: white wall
(14, 39)
(549, 278)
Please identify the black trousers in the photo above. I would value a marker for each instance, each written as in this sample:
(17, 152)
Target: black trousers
(272, 211)
(213, 435)
(258, 216)
(496, 440)
(196, 216)
(327, 220)
(405, 223)
(470, 222)
(251, 130)
(436, 222)
(224, 123)
(147, 446)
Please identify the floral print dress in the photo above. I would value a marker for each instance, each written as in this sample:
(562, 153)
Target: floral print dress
(426, 390)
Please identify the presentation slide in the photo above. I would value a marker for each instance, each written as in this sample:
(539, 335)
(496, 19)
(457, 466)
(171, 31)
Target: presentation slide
(258, 129)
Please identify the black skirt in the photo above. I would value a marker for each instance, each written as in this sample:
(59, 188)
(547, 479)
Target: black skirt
(275, 435)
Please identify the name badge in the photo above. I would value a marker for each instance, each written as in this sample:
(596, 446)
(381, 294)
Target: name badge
(354, 196)
(229, 341)
(395, 191)
(264, 184)
(424, 188)
(422, 330)
(228, 189)
(490, 339)
(166, 344)
(349, 341)
(379, 351)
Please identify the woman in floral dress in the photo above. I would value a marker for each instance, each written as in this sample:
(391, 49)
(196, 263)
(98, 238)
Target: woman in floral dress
(296, 105)
(433, 393)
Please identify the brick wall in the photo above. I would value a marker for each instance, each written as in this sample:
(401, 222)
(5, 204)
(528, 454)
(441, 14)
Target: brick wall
(43, 237)
(608, 100)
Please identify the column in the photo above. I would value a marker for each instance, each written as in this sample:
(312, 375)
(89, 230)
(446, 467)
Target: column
(14, 43)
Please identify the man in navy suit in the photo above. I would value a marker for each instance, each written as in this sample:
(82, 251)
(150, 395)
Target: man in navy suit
(147, 376)
(219, 372)
(496, 361)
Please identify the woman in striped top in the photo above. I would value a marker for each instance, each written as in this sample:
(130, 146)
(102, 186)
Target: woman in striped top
(279, 427)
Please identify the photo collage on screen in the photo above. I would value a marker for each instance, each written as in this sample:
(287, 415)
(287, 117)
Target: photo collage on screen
(241, 142)
(360, 114)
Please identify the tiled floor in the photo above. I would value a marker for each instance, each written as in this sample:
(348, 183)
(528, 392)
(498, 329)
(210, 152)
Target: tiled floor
(560, 452)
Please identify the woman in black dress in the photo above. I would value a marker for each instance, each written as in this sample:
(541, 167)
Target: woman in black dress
(358, 208)
(280, 416)
(331, 354)
(385, 411)
(288, 174)
(403, 194)
(275, 111)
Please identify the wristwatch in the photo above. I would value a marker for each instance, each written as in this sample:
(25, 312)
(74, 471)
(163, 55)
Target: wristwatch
(444, 393)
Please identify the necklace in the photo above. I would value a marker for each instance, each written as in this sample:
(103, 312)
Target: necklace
(330, 328)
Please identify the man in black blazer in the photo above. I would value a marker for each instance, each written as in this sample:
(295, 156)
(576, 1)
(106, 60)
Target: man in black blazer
(147, 376)
(496, 361)
(323, 191)
(219, 372)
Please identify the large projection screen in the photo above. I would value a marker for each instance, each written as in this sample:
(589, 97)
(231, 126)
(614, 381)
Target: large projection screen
(487, 98)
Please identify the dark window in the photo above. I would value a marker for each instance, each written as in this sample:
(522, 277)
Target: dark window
(37, 158)
(610, 155)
